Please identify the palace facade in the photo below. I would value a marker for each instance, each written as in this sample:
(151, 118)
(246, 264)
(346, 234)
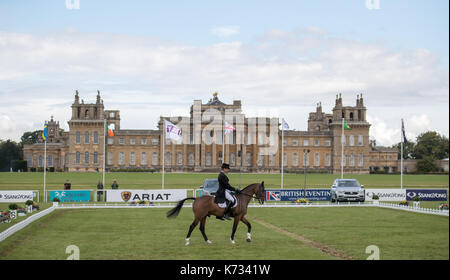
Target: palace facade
(254, 146)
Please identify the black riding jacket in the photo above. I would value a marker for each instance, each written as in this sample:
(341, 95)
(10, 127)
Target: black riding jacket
(223, 185)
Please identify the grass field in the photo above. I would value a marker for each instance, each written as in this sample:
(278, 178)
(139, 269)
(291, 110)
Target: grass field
(278, 233)
(147, 234)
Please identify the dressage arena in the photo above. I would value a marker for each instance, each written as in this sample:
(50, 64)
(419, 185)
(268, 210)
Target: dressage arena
(319, 231)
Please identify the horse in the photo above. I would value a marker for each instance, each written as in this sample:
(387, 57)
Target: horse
(204, 206)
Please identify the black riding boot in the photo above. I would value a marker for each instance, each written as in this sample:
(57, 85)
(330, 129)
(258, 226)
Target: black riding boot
(228, 211)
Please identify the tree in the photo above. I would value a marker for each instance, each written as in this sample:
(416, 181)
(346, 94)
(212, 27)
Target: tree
(408, 149)
(9, 151)
(431, 144)
(30, 137)
(427, 164)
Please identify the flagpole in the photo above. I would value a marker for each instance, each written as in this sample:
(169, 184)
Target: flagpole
(282, 151)
(342, 150)
(104, 151)
(163, 152)
(45, 167)
(401, 157)
(223, 141)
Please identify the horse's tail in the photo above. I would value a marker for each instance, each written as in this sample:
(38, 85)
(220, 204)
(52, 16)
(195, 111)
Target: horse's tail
(173, 213)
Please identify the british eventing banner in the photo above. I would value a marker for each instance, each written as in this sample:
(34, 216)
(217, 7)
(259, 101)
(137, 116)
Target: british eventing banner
(293, 195)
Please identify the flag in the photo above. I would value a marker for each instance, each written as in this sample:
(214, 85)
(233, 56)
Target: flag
(172, 131)
(44, 132)
(285, 125)
(403, 133)
(229, 128)
(346, 127)
(110, 129)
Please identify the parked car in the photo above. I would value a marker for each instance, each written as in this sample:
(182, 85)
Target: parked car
(210, 187)
(347, 190)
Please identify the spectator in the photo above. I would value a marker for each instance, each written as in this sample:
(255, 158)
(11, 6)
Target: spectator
(99, 193)
(114, 185)
(67, 185)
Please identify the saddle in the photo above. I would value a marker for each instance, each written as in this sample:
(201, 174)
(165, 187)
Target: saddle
(224, 204)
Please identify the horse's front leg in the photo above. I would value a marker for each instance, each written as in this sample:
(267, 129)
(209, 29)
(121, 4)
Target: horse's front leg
(249, 227)
(235, 225)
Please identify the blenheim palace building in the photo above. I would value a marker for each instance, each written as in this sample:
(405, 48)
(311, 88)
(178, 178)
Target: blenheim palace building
(255, 145)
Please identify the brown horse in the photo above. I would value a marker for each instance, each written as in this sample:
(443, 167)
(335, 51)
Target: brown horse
(204, 206)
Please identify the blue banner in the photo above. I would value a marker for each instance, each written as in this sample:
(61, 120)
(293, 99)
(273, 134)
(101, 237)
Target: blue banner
(293, 195)
(427, 194)
(71, 196)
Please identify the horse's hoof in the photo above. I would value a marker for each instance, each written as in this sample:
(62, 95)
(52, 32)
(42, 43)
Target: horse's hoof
(208, 241)
(187, 242)
(232, 241)
(249, 240)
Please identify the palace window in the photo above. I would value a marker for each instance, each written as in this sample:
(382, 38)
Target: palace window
(295, 159)
(327, 143)
(40, 161)
(316, 159)
(295, 142)
(208, 159)
(232, 159)
(191, 158)
(248, 159)
(95, 158)
(132, 141)
(306, 159)
(155, 158)
(260, 159)
(360, 160)
(360, 140)
(316, 142)
(284, 159)
(144, 141)
(352, 160)
(86, 137)
(30, 161)
(143, 158)
(110, 141)
(132, 158)
(50, 161)
(271, 160)
(95, 137)
(352, 140)
(155, 141)
(77, 158)
(121, 158)
(306, 142)
(121, 141)
(168, 159)
(77, 137)
(327, 160)
(180, 158)
(86, 157)
(110, 158)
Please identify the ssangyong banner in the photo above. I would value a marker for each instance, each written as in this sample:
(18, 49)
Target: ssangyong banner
(15, 196)
(292, 195)
(427, 194)
(386, 194)
(71, 195)
(150, 195)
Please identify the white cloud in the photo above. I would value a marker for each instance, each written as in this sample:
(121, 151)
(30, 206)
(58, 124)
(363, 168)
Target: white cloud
(287, 71)
(225, 31)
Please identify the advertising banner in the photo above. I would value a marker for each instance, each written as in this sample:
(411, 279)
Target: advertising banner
(427, 194)
(150, 195)
(15, 196)
(386, 194)
(71, 195)
(293, 195)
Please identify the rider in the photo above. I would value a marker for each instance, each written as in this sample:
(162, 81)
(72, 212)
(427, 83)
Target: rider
(224, 191)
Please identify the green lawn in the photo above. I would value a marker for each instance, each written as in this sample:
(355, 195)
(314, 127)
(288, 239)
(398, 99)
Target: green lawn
(147, 234)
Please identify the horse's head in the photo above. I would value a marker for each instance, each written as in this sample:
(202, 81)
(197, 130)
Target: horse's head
(260, 193)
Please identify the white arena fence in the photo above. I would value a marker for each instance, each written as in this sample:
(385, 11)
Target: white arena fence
(15, 228)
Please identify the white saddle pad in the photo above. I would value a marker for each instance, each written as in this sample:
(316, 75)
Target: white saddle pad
(224, 205)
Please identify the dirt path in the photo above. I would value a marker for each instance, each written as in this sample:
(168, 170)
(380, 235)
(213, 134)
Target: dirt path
(327, 250)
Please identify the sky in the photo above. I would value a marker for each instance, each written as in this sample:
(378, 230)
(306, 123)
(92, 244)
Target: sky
(153, 58)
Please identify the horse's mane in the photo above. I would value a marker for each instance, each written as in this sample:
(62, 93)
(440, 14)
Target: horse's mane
(251, 185)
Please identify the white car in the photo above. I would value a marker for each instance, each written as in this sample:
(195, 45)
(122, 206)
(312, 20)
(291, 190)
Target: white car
(347, 190)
